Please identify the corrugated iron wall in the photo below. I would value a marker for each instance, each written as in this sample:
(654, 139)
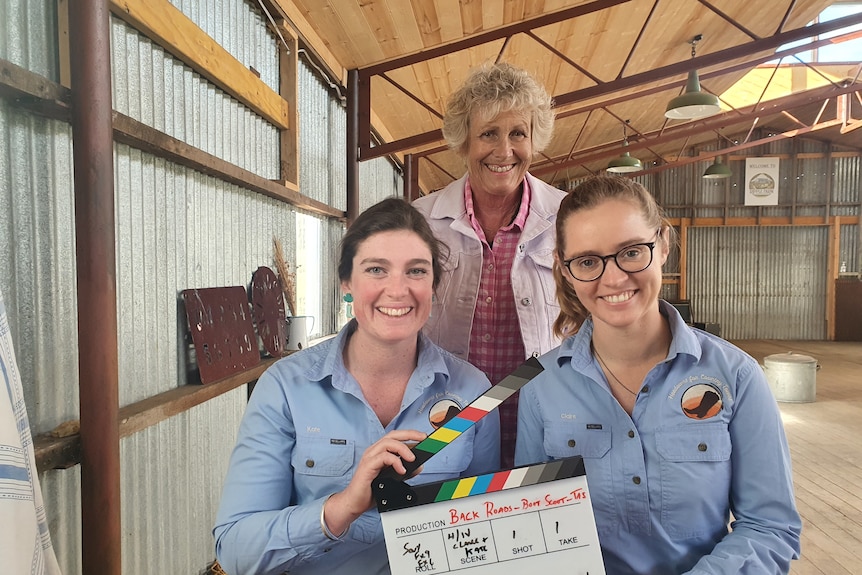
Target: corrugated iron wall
(176, 228)
(759, 282)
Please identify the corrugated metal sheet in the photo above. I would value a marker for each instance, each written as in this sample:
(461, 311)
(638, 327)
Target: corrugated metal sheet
(171, 482)
(759, 282)
(850, 252)
(152, 87)
(812, 182)
(846, 185)
(37, 259)
(240, 28)
(323, 137)
(179, 229)
(28, 35)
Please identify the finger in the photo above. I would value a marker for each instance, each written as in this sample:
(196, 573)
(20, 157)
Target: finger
(406, 435)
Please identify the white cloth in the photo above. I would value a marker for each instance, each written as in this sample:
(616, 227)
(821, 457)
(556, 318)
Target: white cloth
(25, 543)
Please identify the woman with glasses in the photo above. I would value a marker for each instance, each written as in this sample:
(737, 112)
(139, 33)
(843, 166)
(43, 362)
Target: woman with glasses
(677, 427)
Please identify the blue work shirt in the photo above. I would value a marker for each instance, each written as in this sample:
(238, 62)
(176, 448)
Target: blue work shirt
(304, 431)
(705, 439)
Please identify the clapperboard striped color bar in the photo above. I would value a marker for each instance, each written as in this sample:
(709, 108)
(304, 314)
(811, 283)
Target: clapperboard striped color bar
(500, 481)
(388, 488)
(479, 408)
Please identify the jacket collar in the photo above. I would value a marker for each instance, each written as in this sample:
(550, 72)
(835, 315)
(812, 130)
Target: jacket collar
(543, 206)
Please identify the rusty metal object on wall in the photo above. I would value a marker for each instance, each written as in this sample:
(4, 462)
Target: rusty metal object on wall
(267, 306)
(222, 331)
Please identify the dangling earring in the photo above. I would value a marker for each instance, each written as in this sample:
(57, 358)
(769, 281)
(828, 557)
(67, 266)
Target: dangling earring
(348, 311)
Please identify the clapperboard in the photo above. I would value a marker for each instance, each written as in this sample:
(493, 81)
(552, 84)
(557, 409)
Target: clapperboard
(515, 520)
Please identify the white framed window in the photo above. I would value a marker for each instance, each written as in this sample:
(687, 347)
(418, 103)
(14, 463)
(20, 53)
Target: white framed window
(308, 269)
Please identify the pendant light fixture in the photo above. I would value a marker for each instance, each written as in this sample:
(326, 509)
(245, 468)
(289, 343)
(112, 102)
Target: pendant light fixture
(693, 103)
(626, 162)
(717, 170)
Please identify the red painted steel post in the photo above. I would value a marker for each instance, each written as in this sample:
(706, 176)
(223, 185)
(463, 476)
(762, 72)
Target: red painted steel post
(90, 60)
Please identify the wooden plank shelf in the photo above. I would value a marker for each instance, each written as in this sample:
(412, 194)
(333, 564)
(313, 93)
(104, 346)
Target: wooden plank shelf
(61, 448)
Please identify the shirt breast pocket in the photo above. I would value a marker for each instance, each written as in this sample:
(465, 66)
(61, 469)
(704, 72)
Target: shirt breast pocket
(695, 478)
(321, 457)
(594, 446)
(442, 296)
(543, 259)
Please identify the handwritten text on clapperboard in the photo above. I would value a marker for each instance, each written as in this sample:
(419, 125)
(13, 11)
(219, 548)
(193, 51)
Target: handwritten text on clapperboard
(532, 523)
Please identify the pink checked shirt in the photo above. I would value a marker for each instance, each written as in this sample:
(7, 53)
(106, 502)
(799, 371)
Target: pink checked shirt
(496, 345)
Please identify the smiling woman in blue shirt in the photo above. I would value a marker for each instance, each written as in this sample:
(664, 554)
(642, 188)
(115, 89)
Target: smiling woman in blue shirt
(678, 428)
(323, 422)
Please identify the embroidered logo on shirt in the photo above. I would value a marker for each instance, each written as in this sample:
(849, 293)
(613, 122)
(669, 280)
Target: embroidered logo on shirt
(701, 401)
(443, 411)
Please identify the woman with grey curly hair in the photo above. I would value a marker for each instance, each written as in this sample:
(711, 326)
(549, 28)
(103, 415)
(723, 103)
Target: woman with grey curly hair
(495, 305)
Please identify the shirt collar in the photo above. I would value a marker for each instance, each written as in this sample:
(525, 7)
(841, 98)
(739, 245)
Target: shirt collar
(330, 362)
(520, 218)
(576, 349)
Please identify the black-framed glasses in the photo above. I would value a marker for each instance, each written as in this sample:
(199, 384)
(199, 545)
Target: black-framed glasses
(631, 259)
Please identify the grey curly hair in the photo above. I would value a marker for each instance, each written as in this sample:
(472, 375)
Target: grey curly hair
(493, 89)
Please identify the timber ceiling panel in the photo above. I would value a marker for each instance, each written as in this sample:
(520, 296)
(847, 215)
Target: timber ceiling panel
(605, 62)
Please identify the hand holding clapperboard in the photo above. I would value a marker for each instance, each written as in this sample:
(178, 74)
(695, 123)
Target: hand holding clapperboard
(532, 517)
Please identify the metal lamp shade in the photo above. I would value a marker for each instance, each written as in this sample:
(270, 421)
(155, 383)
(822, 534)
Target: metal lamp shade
(693, 103)
(625, 163)
(717, 170)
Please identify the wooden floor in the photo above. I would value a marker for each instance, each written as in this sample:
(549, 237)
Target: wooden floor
(825, 439)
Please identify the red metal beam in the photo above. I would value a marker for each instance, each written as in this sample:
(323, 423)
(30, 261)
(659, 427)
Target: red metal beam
(365, 74)
(740, 147)
(491, 36)
(93, 153)
(600, 90)
(717, 122)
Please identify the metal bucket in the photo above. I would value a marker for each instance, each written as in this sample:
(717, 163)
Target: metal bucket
(792, 377)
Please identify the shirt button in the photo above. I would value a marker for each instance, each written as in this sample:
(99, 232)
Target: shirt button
(572, 443)
(631, 433)
(489, 299)
(645, 389)
(490, 267)
(309, 463)
(636, 480)
(701, 447)
(487, 337)
(526, 301)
